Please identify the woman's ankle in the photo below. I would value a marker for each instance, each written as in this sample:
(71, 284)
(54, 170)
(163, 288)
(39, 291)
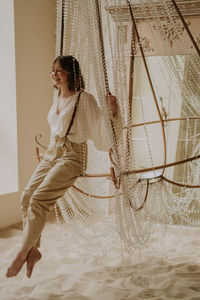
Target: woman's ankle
(23, 252)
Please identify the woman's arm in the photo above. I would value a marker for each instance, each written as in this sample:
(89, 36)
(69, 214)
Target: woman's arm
(95, 123)
(112, 103)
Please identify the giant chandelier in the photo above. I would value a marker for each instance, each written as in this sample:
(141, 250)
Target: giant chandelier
(146, 53)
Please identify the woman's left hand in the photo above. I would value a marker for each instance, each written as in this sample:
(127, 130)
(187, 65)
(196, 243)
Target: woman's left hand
(112, 102)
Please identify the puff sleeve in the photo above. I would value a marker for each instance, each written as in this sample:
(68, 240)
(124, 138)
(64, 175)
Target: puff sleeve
(95, 124)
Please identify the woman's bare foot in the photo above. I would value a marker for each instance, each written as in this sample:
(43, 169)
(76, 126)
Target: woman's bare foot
(18, 262)
(33, 257)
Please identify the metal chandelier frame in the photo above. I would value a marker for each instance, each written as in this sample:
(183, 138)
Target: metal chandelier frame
(161, 121)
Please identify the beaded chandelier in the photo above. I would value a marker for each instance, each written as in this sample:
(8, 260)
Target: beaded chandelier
(146, 53)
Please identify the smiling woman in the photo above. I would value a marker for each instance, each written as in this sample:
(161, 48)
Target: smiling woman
(8, 120)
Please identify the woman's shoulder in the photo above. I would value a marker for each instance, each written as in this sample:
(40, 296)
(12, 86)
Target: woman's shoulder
(88, 96)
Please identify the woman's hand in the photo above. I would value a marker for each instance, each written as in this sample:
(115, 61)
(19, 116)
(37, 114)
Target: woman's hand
(112, 103)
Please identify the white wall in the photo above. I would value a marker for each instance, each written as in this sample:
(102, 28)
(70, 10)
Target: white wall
(35, 24)
(8, 116)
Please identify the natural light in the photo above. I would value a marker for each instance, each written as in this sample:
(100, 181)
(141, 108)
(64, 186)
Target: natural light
(8, 118)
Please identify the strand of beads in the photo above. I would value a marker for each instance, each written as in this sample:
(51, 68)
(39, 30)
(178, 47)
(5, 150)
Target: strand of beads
(58, 26)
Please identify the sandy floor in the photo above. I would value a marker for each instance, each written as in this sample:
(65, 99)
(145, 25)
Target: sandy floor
(169, 268)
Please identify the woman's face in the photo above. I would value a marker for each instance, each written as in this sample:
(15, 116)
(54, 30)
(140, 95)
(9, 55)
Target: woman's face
(59, 76)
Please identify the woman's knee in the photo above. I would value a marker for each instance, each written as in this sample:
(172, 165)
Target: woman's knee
(45, 199)
(25, 198)
(39, 207)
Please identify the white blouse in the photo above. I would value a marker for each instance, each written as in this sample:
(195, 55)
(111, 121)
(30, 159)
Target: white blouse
(88, 122)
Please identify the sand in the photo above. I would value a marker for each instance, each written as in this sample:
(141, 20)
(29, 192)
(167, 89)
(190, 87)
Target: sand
(169, 268)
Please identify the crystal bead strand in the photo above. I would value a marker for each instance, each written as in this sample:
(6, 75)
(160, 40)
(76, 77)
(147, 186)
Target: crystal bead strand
(169, 8)
(194, 141)
(110, 47)
(146, 132)
(99, 73)
(103, 105)
(159, 46)
(58, 26)
(147, 139)
(118, 58)
(182, 41)
(147, 230)
(176, 66)
(172, 68)
(56, 213)
(150, 155)
(186, 88)
(188, 133)
(72, 26)
(67, 17)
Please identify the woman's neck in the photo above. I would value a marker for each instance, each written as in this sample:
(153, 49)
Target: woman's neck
(65, 92)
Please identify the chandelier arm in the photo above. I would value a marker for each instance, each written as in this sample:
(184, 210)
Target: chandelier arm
(90, 195)
(150, 82)
(38, 136)
(181, 184)
(186, 27)
(160, 166)
(130, 94)
(166, 120)
(131, 72)
(38, 156)
(96, 175)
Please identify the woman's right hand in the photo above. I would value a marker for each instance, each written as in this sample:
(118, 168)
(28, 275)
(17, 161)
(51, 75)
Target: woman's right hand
(112, 103)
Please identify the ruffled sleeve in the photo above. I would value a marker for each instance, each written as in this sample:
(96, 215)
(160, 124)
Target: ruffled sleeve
(95, 123)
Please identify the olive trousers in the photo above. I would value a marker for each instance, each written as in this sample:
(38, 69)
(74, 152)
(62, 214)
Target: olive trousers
(60, 167)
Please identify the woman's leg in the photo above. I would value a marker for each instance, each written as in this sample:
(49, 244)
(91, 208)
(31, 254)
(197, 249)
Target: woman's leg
(18, 262)
(35, 180)
(27, 252)
(33, 257)
(53, 186)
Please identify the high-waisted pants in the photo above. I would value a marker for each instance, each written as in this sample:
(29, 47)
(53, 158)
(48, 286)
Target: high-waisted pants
(60, 167)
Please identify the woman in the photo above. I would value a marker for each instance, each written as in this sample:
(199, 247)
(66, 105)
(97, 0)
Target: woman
(73, 118)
